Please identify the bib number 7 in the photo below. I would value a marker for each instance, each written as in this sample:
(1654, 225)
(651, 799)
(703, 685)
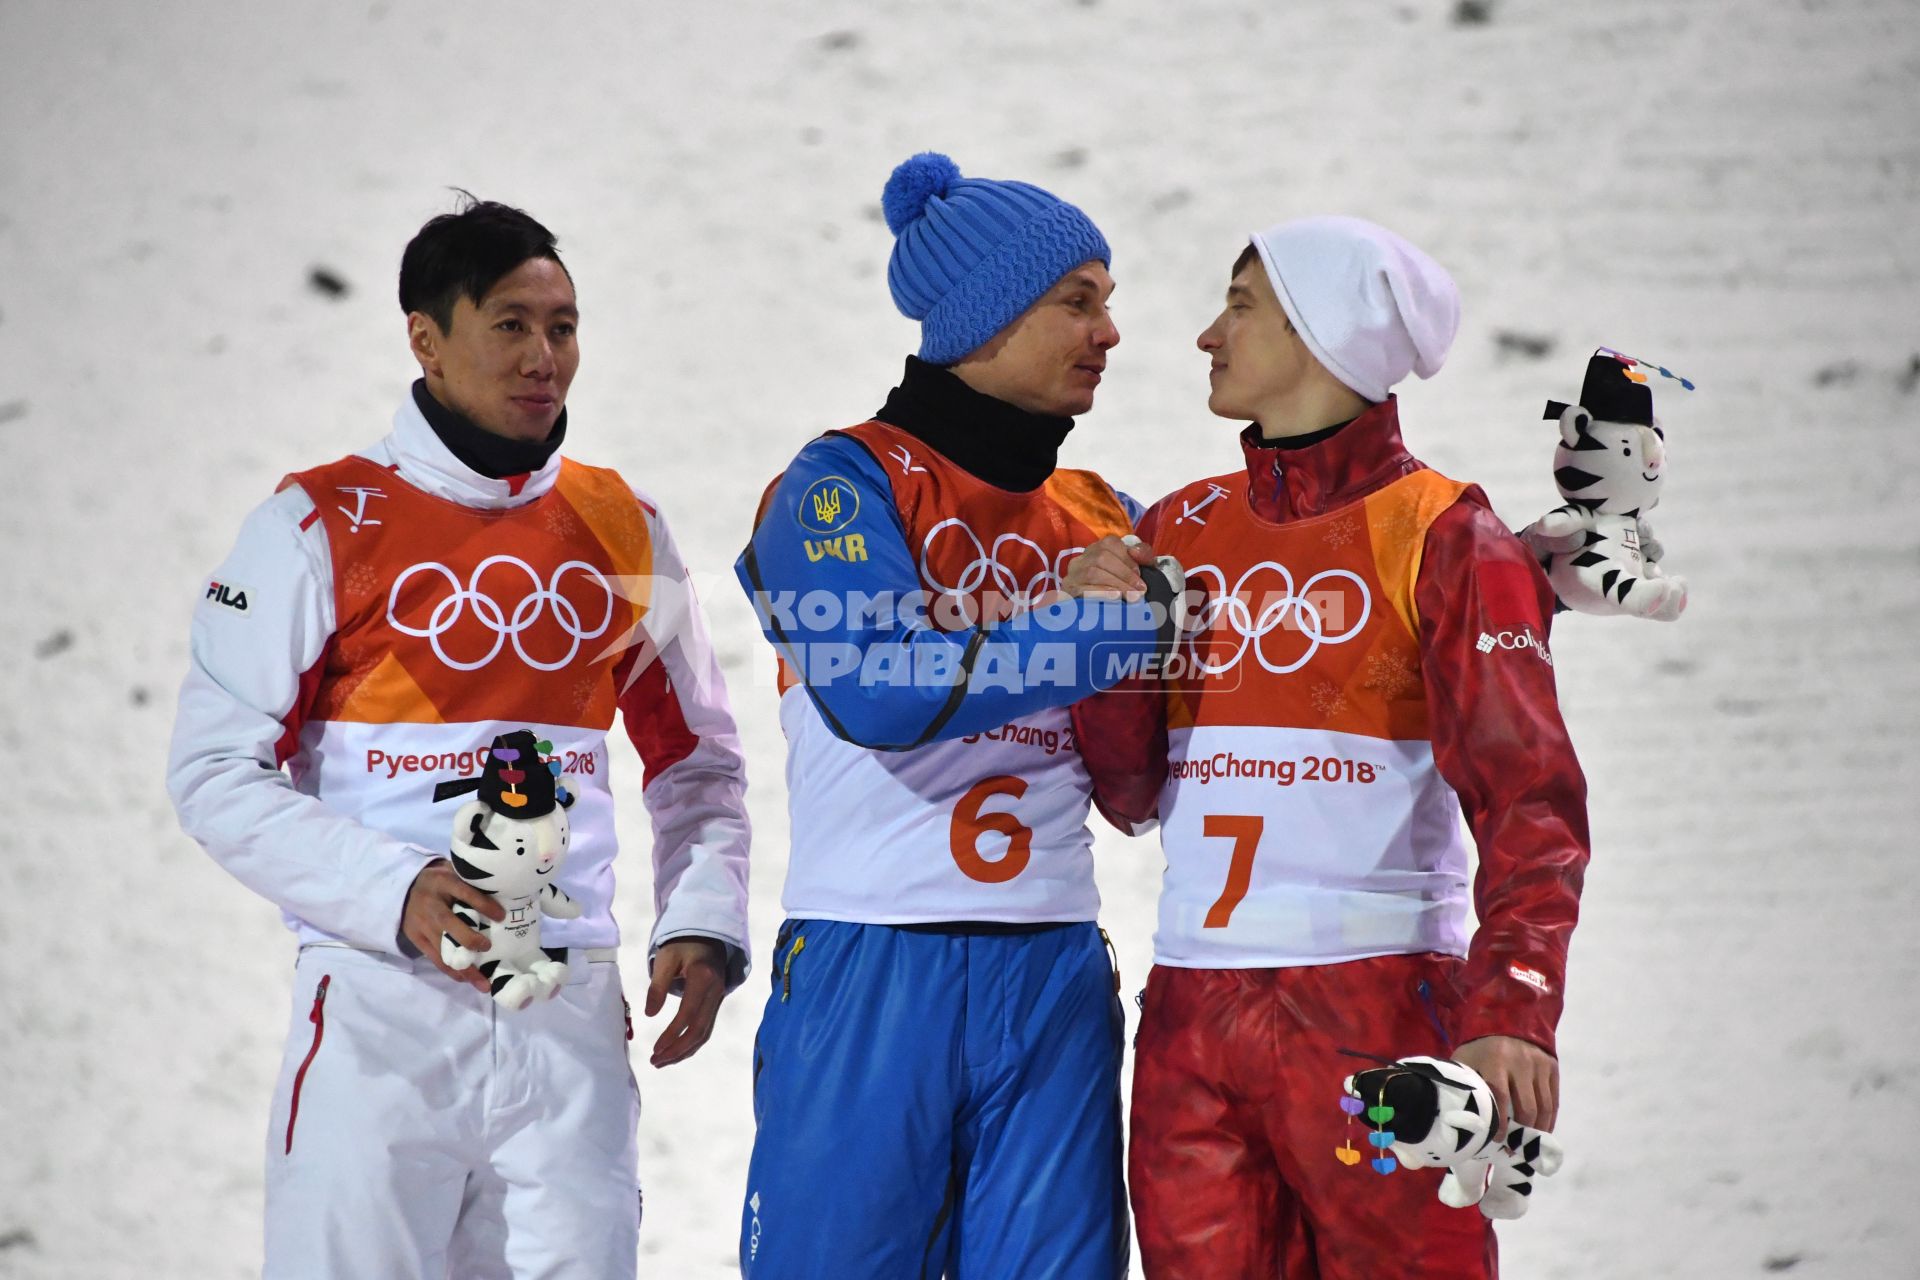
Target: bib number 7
(1244, 831)
(970, 823)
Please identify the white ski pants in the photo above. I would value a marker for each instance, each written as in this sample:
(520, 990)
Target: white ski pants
(420, 1132)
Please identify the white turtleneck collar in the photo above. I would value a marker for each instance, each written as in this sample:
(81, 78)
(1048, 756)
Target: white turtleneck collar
(417, 453)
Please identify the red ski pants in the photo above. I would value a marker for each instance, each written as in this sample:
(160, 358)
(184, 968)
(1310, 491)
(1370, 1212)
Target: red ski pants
(1236, 1122)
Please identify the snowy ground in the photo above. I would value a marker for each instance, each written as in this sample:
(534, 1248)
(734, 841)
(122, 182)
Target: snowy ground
(1732, 187)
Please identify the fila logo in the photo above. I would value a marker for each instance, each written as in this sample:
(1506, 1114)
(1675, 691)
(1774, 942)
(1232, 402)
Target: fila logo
(850, 547)
(1521, 639)
(225, 593)
(1531, 977)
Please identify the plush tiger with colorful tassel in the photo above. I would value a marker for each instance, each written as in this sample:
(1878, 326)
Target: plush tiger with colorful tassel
(1601, 555)
(509, 842)
(1432, 1113)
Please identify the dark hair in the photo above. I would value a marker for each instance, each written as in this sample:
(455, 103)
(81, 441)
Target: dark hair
(1250, 254)
(465, 254)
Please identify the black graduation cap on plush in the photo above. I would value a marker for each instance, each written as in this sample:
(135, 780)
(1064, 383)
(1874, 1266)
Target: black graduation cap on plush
(1609, 394)
(1410, 1088)
(516, 782)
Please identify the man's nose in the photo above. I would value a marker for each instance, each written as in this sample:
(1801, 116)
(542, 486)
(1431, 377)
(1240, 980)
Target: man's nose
(540, 362)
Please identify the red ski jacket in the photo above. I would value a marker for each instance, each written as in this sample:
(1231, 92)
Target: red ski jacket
(1485, 609)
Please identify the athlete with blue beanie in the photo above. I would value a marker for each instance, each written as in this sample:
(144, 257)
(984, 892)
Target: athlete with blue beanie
(936, 1077)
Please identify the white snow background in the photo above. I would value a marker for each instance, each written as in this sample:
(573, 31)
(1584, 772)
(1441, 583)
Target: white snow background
(1731, 187)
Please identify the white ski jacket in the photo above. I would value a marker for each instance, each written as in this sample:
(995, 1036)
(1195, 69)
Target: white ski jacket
(380, 619)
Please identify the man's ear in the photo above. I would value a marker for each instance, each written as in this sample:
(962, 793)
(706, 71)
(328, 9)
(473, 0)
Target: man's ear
(424, 338)
(1574, 422)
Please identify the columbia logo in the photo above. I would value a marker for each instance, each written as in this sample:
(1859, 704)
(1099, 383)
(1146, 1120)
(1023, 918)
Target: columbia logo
(1522, 639)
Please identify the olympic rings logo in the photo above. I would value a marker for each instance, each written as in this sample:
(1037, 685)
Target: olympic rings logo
(448, 612)
(1032, 574)
(1308, 608)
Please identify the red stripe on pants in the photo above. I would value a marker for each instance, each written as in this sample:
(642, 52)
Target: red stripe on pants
(1236, 1118)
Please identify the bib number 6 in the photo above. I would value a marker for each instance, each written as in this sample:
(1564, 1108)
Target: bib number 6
(969, 824)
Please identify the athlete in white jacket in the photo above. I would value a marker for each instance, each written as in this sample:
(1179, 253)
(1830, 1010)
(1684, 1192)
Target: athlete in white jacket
(378, 622)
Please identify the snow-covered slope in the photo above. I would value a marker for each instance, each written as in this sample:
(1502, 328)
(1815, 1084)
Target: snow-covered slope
(1730, 186)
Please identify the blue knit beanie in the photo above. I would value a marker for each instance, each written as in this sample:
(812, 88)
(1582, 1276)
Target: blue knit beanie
(971, 254)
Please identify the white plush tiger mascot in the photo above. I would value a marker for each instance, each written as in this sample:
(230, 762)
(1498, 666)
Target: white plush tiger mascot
(510, 842)
(1609, 466)
(1442, 1116)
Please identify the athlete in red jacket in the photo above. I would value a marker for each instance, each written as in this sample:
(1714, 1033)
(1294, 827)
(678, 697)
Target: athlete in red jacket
(1372, 644)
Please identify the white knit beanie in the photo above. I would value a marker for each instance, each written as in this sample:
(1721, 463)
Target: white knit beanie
(1370, 306)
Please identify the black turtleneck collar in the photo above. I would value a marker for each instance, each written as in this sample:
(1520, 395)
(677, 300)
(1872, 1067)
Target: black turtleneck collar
(1257, 441)
(1006, 446)
(495, 457)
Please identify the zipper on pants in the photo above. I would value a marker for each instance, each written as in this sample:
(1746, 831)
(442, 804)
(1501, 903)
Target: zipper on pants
(786, 971)
(319, 1020)
(1113, 959)
(1433, 1013)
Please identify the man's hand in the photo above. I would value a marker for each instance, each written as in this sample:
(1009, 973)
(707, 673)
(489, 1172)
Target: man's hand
(428, 913)
(1525, 1078)
(701, 964)
(1109, 570)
